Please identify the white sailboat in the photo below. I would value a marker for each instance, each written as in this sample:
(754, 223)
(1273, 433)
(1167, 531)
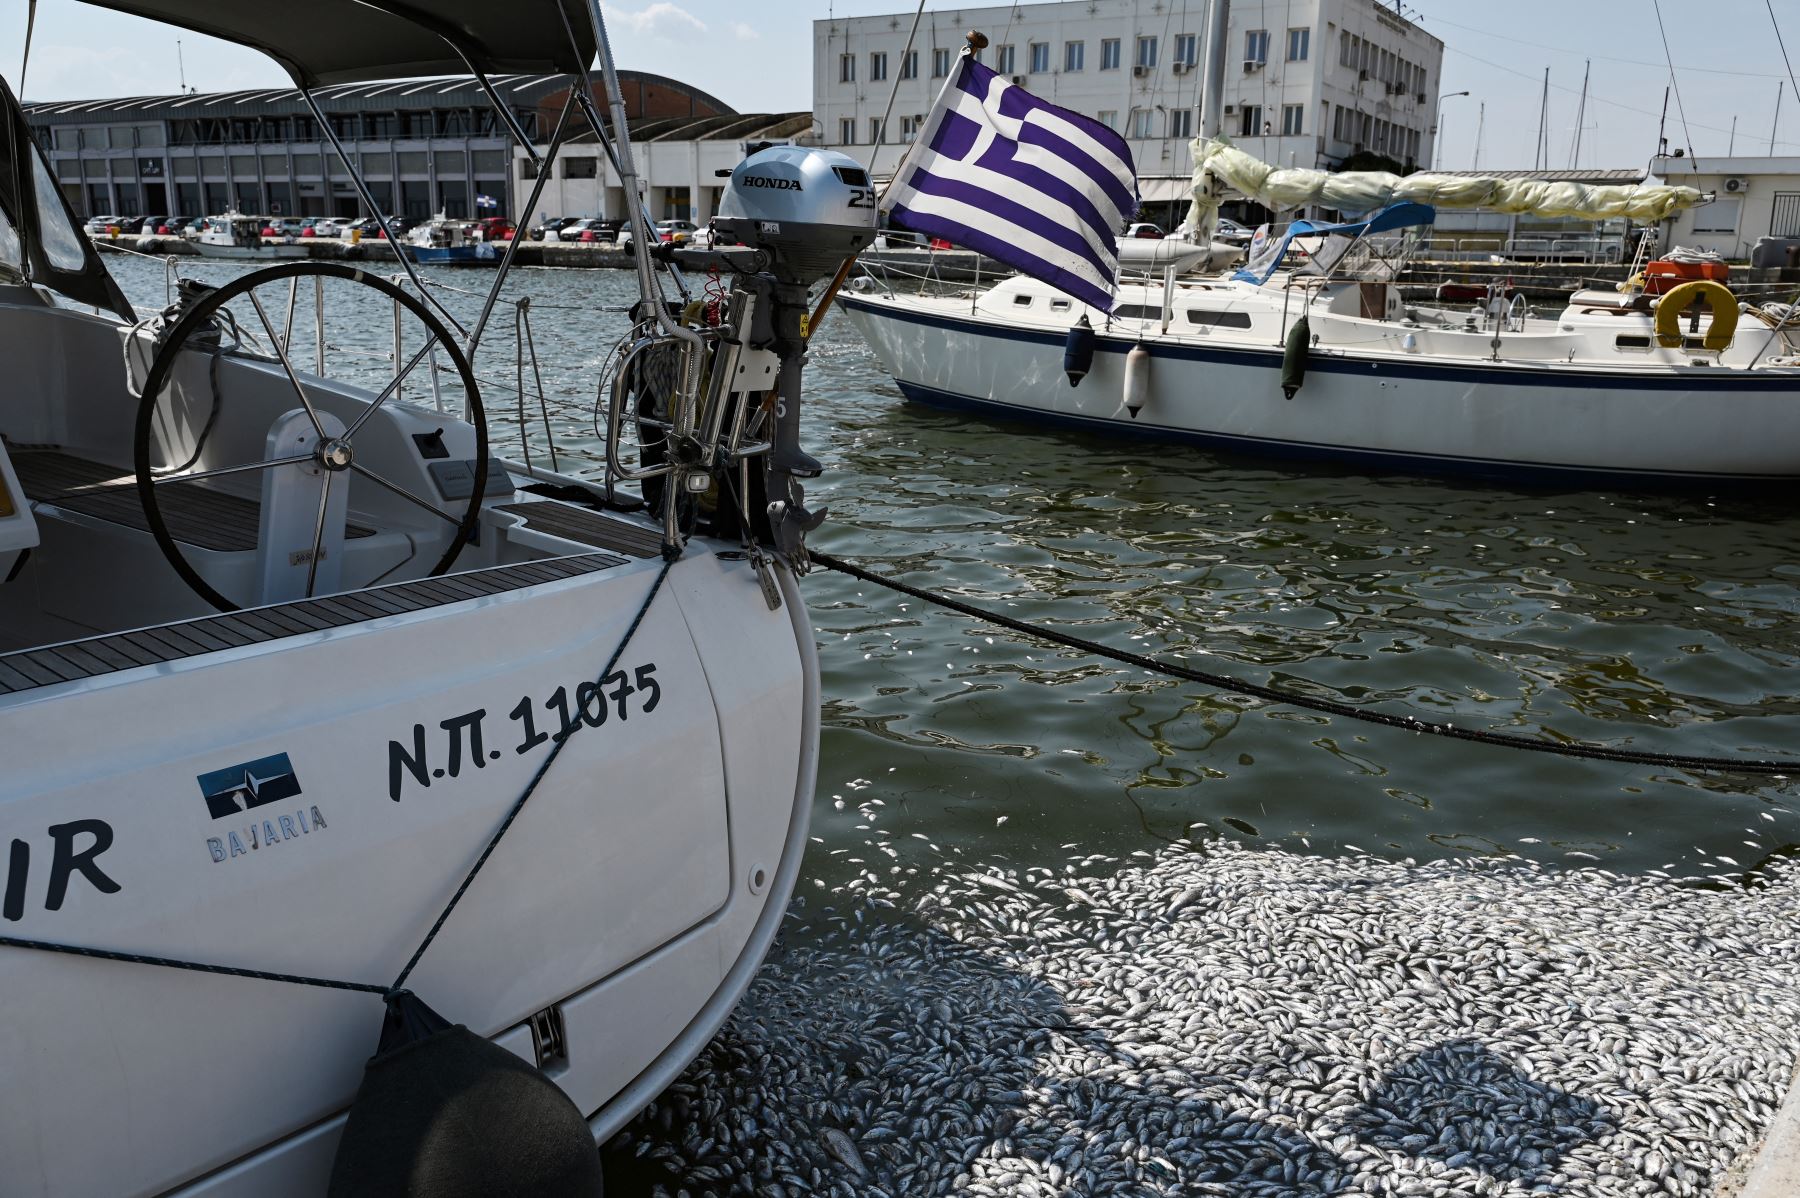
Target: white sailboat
(283, 657)
(1326, 359)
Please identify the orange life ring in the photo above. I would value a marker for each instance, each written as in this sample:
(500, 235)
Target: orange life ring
(1678, 299)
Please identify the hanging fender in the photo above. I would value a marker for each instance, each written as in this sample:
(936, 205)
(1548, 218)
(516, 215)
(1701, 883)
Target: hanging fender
(1137, 380)
(1294, 356)
(1678, 299)
(1078, 351)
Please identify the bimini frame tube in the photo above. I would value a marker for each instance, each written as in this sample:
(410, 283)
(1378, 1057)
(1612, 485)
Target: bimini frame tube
(368, 197)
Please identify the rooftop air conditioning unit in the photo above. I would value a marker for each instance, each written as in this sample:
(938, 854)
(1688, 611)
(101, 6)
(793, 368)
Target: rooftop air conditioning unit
(1251, 64)
(1231, 110)
(1018, 80)
(1734, 186)
(1140, 70)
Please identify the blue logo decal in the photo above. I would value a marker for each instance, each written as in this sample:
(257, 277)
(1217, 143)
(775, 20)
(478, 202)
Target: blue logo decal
(237, 788)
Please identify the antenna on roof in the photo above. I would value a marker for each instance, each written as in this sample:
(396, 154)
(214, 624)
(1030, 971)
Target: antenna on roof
(180, 66)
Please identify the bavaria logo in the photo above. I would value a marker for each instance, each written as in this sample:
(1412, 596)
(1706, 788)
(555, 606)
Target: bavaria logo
(771, 182)
(236, 789)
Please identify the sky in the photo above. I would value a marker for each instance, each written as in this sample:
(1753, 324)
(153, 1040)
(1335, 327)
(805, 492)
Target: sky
(755, 55)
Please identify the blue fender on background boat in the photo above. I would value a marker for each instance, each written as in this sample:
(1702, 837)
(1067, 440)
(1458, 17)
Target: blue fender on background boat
(1078, 351)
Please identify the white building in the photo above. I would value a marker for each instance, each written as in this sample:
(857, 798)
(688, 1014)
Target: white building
(1308, 82)
(1753, 198)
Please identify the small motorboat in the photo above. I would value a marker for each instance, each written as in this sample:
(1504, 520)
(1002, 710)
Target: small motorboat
(449, 242)
(234, 235)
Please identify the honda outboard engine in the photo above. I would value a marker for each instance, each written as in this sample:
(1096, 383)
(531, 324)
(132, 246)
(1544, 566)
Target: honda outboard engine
(809, 209)
(795, 216)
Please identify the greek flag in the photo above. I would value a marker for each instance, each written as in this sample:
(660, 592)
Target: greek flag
(1040, 188)
(484, 201)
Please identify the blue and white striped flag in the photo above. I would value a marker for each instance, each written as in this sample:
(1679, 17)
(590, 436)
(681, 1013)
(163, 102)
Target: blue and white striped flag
(1042, 189)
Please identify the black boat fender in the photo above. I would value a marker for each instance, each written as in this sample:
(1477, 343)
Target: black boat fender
(443, 1112)
(1078, 351)
(1293, 358)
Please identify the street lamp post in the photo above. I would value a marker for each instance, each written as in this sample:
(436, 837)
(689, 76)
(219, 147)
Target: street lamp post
(1436, 124)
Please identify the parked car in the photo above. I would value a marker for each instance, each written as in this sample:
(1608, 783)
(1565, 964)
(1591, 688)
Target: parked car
(317, 226)
(542, 230)
(172, 226)
(1232, 233)
(677, 231)
(574, 230)
(148, 224)
(901, 239)
(495, 228)
(366, 226)
(97, 225)
(1144, 229)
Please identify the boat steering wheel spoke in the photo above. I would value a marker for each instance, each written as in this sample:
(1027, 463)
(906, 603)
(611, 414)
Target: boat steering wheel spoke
(330, 454)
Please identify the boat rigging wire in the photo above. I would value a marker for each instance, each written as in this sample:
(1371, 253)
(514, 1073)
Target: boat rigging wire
(1779, 41)
(1681, 108)
(1270, 694)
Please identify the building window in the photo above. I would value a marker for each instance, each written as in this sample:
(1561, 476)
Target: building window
(940, 63)
(846, 68)
(1040, 57)
(1181, 122)
(1293, 117)
(580, 168)
(1256, 46)
(1074, 55)
(1109, 54)
(1346, 49)
(1146, 52)
(1143, 122)
(875, 131)
(909, 66)
(1108, 117)
(877, 67)
(909, 128)
(1004, 60)
(1187, 49)
(1251, 125)
(1299, 42)
(847, 131)
(1720, 216)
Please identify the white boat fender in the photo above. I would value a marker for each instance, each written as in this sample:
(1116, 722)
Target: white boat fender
(446, 1113)
(1137, 380)
(1294, 356)
(1078, 351)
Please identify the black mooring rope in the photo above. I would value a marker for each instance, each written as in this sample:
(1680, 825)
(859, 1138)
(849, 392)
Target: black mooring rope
(1592, 752)
(103, 954)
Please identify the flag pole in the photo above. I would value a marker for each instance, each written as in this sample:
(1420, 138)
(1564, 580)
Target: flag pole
(976, 42)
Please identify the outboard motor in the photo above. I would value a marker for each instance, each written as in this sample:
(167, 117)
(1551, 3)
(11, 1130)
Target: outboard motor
(795, 216)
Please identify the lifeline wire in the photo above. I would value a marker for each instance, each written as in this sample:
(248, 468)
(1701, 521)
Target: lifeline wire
(102, 954)
(1271, 694)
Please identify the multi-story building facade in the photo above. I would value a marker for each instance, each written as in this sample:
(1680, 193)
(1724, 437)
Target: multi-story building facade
(1307, 82)
(423, 145)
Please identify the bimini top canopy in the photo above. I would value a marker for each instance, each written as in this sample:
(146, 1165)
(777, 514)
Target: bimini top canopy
(353, 41)
(1266, 253)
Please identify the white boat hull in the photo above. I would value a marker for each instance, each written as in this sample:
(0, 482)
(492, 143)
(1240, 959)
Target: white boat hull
(635, 894)
(268, 252)
(1500, 418)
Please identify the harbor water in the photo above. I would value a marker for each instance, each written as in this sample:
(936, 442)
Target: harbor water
(955, 751)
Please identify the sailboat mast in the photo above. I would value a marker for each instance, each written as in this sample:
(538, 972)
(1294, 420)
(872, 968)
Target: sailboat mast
(1212, 88)
(1776, 122)
(1539, 155)
(1580, 116)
